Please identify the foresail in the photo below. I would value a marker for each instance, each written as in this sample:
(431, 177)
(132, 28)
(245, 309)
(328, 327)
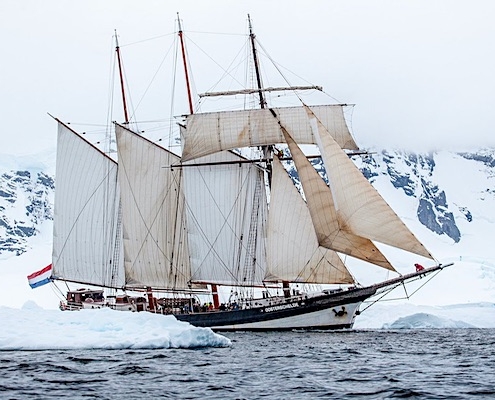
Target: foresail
(226, 207)
(330, 227)
(209, 133)
(363, 211)
(155, 245)
(86, 227)
(293, 251)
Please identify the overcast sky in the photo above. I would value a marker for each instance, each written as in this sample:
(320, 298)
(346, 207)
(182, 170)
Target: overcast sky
(421, 73)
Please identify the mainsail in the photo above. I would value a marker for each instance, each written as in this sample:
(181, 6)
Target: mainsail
(209, 133)
(155, 245)
(86, 227)
(294, 254)
(226, 214)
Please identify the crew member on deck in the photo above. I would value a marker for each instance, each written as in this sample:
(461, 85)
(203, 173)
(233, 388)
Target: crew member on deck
(419, 267)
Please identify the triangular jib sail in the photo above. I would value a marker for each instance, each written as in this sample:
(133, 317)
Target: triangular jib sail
(330, 227)
(363, 211)
(294, 254)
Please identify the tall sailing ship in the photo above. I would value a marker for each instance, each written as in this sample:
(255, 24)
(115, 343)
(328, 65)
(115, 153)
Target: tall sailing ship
(220, 236)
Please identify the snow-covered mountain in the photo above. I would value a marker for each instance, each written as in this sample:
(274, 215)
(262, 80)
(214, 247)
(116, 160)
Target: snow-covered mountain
(447, 199)
(26, 201)
(450, 194)
(449, 189)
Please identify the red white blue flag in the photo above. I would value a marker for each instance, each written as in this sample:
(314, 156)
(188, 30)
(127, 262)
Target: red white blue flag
(40, 278)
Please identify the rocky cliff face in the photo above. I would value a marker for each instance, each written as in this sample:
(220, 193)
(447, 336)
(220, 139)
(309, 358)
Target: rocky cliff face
(416, 177)
(413, 175)
(436, 180)
(26, 199)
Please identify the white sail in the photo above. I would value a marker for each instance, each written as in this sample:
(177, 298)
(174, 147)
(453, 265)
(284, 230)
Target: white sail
(155, 245)
(227, 210)
(214, 132)
(86, 228)
(293, 251)
(331, 229)
(363, 211)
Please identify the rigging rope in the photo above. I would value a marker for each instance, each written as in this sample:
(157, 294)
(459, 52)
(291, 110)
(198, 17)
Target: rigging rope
(388, 290)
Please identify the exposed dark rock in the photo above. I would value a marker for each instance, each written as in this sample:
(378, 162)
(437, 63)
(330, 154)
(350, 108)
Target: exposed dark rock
(487, 159)
(466, 213)
(412, 173)
(427, 216)
(46, 181)
(35, 191)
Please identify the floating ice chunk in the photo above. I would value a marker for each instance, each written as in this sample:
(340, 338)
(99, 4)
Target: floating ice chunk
(33, 328)
(423, 320)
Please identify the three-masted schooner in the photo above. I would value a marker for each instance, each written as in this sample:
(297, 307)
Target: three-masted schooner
(179, 229)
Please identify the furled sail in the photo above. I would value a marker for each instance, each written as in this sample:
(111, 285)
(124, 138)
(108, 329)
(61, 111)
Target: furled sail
(363, 211)
(331, 229)
(209, 133)
(292, 246)
(155, 245)
(86, 229)
(226, 214)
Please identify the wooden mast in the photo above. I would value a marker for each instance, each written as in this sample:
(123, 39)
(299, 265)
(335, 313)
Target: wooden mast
(184, 60)
(267, 150)
(252, 37)
(214, 288)
(117, 49)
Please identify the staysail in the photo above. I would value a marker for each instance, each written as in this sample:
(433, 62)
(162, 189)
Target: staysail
(86, 228)
(155, 245)
(330, 227)
(294, 254)
(363, 211)
(209, 133)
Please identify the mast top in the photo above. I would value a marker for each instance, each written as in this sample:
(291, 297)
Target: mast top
(119, 61)
(178, 21)
(251, 33)
(116, 39)
(252, 37)
(184, 62)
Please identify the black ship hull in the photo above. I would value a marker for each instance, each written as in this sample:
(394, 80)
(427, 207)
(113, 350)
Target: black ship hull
(324, 311)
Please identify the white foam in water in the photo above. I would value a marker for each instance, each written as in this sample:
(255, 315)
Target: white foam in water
(33, 328)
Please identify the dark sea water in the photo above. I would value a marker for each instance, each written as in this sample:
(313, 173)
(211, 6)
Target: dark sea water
(381, 364)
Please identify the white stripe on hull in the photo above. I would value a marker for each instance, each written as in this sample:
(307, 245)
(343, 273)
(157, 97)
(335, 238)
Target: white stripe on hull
(323, 319)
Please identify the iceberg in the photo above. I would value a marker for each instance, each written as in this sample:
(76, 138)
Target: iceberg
(426, 321)
(33, 328)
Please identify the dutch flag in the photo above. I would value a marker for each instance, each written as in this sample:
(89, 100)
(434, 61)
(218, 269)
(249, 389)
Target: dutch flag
(40, 278)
